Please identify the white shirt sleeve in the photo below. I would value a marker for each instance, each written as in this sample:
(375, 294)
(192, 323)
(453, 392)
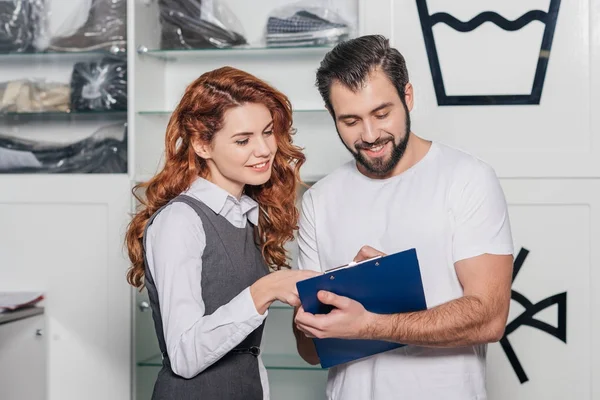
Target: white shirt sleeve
(176, 241)
(308, 254)
(481, 221)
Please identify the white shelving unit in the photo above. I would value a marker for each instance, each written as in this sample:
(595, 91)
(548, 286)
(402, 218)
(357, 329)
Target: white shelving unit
(159, 79)
(291, 70)
(62, 234)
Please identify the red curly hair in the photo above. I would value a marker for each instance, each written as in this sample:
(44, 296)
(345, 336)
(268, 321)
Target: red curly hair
(199, 115)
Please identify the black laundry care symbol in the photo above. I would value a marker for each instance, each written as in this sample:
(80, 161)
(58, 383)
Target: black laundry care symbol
(527, 318)
(428, 21)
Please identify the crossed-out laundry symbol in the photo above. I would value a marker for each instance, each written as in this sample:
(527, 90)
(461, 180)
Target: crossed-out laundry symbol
(527, 318)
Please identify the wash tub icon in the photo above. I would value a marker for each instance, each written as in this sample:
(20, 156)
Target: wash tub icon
(428, 21)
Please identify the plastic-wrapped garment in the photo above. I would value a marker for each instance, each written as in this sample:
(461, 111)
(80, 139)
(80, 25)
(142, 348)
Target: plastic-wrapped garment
(305, 24)
(23, 24)
(99, 85)
(29, 95)
(196, 24)
(103, 152)
(40, 19)
(104, 29)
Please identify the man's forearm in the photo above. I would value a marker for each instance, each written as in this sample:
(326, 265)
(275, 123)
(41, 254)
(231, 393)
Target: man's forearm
(461, 322)
(305, 345)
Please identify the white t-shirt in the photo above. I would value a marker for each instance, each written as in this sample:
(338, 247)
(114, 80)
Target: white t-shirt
(449, 206)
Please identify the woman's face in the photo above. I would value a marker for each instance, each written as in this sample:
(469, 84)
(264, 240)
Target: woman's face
(242, 152)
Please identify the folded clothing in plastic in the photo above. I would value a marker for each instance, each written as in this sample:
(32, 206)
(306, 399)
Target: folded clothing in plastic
(305, 28)
(104, 29)
(99, 85)
(103, 152)
(188, 24)
(31, 95)
(21, 22)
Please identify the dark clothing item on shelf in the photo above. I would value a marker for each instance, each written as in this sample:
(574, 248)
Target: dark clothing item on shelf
(22, 96)
(104, 29)
(182, 27)
(18, 24)
(99, 86)
(304, 29)
(103, 152)
(236, 376)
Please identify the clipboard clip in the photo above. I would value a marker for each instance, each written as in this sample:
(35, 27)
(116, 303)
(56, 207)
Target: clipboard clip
(352, 264)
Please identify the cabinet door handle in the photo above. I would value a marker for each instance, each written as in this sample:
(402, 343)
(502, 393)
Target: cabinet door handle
(39, 332)
(143, 306)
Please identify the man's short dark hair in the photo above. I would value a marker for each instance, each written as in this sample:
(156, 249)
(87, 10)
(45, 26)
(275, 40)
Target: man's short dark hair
(350, 63)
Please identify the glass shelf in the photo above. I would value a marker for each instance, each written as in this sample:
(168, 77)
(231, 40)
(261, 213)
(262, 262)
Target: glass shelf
(288, 362)
(167, 113)
(307, 178)
(60, 115)
(171, 55)
(281, 306)
(154, 361)
(50, 55)
(271, 361)
(156, 113)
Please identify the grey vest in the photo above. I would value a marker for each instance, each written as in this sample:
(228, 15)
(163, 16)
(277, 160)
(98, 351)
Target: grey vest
(231, 262)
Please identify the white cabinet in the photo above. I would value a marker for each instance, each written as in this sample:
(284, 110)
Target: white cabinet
(62, 235)
(546, 352)
(23, 355)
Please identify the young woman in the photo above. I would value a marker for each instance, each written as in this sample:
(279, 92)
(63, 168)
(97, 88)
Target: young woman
(212, 221)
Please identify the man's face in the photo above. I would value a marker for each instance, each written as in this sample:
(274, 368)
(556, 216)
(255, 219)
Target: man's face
(373, 123)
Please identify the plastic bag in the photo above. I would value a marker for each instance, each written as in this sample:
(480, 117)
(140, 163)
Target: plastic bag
(99, 85)
(195, 24)
(96, 25)
(23, 25)
(34, 95)
(105, 151)
(306, 23)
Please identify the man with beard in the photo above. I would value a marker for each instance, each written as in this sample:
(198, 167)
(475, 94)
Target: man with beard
(403, 192)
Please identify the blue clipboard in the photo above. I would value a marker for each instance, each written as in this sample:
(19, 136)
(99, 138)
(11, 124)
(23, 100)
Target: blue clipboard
(385, 285)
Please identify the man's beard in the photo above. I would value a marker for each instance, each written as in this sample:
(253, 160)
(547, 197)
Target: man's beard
(380, 166)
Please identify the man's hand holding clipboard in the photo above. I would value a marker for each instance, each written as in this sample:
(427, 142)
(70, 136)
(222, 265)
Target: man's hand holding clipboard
(338, 307)
(347, 313)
